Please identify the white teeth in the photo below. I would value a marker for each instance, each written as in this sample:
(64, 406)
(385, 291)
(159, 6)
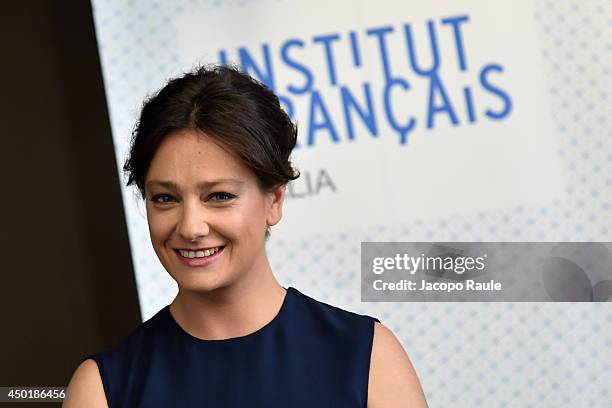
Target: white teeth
(198, 254)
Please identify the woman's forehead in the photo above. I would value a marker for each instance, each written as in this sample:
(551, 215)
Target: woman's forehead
(196, 158)
(191, 140)
(194, 150)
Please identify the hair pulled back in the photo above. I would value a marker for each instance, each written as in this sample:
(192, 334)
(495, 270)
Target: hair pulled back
(237, 111)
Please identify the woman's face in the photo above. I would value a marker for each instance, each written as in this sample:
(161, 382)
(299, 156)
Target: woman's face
(196, 190)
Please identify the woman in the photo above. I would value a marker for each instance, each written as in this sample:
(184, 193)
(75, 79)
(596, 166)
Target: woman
(210, 156)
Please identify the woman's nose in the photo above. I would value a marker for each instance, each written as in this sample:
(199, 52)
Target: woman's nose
(193, 223)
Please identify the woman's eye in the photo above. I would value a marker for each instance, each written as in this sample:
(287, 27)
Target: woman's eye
(221, 196)
(156, 198)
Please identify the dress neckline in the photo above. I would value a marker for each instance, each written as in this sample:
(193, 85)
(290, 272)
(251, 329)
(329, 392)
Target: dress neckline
(290, 292)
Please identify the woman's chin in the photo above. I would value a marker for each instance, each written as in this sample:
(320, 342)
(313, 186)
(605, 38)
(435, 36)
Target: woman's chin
(198, 286)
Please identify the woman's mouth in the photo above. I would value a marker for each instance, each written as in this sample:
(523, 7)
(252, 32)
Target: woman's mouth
(199, 258)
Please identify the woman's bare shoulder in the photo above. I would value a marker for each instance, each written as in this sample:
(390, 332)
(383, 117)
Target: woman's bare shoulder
(393, 381)
(85, 388)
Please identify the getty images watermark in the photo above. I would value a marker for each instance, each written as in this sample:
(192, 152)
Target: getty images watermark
(486, 271)
(428, 264)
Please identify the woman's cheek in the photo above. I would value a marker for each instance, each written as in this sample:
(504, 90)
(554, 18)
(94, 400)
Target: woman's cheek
(232, 222)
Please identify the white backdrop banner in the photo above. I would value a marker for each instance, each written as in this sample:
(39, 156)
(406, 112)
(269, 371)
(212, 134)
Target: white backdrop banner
(404, 111)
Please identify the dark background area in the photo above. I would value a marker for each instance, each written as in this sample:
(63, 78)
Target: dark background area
(68, 285)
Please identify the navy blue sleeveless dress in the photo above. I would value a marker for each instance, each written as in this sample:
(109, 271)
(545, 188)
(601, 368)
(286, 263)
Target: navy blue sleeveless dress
(310, 355)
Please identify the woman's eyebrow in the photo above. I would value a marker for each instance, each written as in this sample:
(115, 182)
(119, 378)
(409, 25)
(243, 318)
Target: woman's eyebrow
(201, 185)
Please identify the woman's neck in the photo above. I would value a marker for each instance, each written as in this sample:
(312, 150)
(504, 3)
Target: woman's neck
(235, 310)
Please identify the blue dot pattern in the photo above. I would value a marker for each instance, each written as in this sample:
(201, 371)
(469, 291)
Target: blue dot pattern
(466, 354)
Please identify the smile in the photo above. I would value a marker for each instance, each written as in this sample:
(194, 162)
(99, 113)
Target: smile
(199, 254)
(199, 258)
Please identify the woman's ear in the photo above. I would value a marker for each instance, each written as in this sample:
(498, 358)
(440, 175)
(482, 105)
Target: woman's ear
(275, 205)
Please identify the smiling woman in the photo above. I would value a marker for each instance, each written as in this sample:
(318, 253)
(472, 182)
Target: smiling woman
(210, 156)
(209, 201)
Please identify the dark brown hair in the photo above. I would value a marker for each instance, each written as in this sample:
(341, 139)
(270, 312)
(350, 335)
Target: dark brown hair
(237, 111)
